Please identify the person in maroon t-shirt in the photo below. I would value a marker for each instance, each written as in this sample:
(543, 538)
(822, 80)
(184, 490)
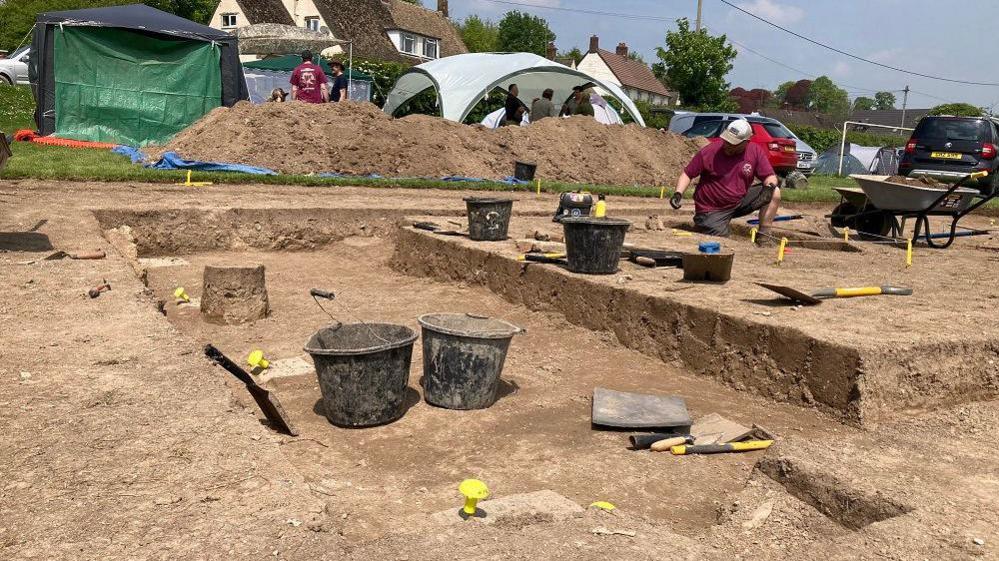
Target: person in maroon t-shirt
(725, 191)
(308, 82)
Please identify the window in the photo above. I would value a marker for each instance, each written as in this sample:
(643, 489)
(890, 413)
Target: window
(408, 43)
(228, 20)
(430, 48)
(312, 23)
(778, 130)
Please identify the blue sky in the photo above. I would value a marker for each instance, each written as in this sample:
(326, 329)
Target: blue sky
(949, 39)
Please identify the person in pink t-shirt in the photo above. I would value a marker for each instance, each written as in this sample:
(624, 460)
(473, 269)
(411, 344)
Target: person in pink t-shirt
(308, 81)
(727, 171)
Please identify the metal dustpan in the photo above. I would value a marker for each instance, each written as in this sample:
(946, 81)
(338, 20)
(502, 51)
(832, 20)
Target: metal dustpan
(639, 411)
(793, 294)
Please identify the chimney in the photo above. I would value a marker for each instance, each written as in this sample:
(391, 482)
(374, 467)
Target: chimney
(622, 49)
(594, 43)
(551, 51)
(442, 7)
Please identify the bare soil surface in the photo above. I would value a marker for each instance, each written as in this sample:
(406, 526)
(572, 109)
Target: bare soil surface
(360, 139)
(121, 441)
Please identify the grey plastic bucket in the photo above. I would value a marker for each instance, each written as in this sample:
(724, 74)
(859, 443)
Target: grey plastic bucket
(593, 245)
(488, 218)
(363, 371)
(463, 358)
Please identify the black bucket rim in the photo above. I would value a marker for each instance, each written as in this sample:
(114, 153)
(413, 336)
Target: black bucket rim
(424, 321)
(407, 340)
(593, 221)
(487, 200)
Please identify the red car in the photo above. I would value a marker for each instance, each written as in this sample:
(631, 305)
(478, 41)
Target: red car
(770, 134)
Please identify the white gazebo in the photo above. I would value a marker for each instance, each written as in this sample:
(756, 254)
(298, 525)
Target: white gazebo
(461, 81)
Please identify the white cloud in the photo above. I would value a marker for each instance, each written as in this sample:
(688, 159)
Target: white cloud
(886, 56)
(781, 14)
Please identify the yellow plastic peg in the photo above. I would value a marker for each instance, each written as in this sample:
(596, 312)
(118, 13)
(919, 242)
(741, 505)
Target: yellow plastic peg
(257, 360)
(908, 252)
(181, 295)
(537, 183)
(662, 192)
(752, 235)
(846, 234)
(474, 491)
(603, 505)
(780, 250)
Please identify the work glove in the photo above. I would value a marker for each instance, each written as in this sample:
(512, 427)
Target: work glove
(676, 201)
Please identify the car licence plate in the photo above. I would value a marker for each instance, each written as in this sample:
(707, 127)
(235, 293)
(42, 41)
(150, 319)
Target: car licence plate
(946, 155)
(789, 148)
(805, 165)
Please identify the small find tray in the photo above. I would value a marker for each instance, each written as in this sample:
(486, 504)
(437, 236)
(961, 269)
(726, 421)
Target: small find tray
(625, 410)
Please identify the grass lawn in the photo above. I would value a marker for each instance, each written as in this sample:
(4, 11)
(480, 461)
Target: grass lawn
(36, 161)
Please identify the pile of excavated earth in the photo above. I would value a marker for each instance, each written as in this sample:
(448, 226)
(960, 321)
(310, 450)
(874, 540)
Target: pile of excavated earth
(359, 139)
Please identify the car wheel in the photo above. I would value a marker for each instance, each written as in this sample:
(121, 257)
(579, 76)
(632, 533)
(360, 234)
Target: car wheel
(5, 81)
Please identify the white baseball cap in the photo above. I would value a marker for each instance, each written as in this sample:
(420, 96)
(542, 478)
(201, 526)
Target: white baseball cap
(737, 132)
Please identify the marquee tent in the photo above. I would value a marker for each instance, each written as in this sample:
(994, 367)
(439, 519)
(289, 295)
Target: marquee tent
(129, 74)
(461, 81)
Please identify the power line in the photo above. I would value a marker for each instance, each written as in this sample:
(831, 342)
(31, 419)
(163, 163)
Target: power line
(851, 55)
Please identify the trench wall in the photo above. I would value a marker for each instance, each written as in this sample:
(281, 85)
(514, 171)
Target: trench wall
(860, 386)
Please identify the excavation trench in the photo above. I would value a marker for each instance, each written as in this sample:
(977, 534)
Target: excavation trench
(582, 333)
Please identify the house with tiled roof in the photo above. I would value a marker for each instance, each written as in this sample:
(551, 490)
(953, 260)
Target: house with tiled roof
(634, 77)
(389, 30)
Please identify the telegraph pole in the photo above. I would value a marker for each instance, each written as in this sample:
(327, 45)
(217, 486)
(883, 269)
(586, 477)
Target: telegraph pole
(697, 26)
(905, 99)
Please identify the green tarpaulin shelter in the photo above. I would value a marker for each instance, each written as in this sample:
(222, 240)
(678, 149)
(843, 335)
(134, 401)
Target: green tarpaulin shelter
(129, 74)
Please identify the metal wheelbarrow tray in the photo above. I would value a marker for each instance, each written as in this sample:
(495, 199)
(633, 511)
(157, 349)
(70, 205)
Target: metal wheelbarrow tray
(913, 198)
(874, 209)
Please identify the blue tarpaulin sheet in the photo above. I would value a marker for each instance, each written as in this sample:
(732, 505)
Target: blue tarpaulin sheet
(170, 160)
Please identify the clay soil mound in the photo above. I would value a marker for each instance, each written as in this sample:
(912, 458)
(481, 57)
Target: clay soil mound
(359, 139)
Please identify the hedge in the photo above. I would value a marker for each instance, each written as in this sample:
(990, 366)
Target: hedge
(822, 139)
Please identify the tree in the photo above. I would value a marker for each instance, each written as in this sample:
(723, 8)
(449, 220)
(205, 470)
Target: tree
(863, 104)
(780, 94)
(695, 64)
(884, 101)
(524, 33)
(480, 35)
(826, 97)
(573, 53)
(957, 109)
(636, 56)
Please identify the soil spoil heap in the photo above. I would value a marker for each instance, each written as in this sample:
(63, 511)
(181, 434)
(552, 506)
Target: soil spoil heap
(359, 139)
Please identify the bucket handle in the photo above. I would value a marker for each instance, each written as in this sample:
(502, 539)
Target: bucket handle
(318, 293)
(516, 328)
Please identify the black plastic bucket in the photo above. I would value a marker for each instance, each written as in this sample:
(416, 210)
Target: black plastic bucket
(463, 358)
(524, 171)
(363, 370)
(488, 218)
(593, 245)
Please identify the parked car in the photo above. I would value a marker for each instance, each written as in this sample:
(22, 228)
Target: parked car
(14, 69)
(684, 121)
(773, 137)
(948, 148)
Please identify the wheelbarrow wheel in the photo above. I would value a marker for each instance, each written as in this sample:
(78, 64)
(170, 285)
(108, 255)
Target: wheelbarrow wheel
(844, 215)
(874, 225)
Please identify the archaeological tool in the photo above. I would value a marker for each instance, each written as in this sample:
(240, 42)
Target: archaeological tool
(267, 401)
(816, 297)
(683, 449)
(554, 258)
(97, 290)
(624, 410)
(645, 441)
(437, 229)
(653, 257)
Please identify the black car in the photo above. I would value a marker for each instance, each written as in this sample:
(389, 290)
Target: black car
(949, 148)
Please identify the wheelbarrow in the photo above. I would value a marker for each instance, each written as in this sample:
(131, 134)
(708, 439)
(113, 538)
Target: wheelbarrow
(875, 209)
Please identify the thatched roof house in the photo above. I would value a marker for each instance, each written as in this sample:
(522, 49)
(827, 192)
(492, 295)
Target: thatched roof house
(391, 30)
